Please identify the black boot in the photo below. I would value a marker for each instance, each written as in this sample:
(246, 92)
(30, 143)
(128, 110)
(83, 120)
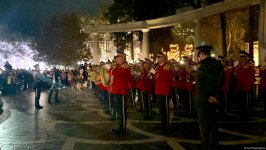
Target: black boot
(39, 107)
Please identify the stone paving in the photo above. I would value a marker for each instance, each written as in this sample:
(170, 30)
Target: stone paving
(79, 123)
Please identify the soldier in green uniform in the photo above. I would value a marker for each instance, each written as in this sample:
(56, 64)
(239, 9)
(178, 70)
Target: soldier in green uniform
(209, 78)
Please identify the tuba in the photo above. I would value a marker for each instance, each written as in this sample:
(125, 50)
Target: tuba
(105, 76)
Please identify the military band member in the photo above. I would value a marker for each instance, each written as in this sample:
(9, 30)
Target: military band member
(226, 82)
(132, 85)
(110, 91)
(37, 85)
(163, 80)
(139, 83)
(174, 84)
(209, 78)
(244, 78)
(98, 82)
(104, 85)
(147, 88)
(121, 76)
(184, 84)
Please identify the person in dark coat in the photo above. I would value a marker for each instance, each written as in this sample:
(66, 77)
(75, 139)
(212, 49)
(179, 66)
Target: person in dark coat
(37, 85)
(209, 79)
(55, 75)
(262, 87)
(7, 66)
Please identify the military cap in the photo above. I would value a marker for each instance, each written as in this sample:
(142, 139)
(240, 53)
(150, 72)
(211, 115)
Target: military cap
(148, 61)
(37, 65)
(221, 58)
(160, 54)
(186, 58)
(244, 54)
(108, 61)
(172, 60)
(206, 49)
(140, 60)
(120, 53)
(192, 62)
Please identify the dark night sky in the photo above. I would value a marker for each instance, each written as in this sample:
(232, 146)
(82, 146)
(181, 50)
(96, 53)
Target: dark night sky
(25, 16)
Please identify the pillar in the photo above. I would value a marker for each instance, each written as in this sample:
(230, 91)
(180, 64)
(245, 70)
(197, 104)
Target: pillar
(96, 51)
(1, 103)
(197, 38)
(145, 43)
(108, 54)
(262, 33)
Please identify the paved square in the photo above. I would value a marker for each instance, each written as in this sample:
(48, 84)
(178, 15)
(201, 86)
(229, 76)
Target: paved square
(78, 123)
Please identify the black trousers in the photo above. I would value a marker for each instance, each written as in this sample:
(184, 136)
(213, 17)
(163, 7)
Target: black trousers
(147, 104)
(208, 129)
(37, 96)
(54, 87)
(164, 110)
(112, 105)
(131, 96)
(174, 97)
(242, 98)
(262, 97)
(223, 101)
(121, 108)
(105, 98)
(184, 98)
(140, 101)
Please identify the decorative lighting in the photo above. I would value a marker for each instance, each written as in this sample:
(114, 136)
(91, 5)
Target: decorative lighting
(181, 62)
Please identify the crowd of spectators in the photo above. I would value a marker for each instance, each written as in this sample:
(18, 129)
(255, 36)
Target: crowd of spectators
(14, 81)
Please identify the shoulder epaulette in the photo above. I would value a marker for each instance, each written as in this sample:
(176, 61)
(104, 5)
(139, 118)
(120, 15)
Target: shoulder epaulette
(246, 66)
(189, 69)
(125, 66)
(167, 66)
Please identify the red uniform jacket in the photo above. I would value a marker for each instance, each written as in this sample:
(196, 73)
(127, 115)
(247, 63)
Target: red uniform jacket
(132, 83)
(227, 79)
(163, 79)
(183, 75)
(147, 83)
(175, 81)
(245, 77)
(138, 81)
(121, 77)
(141, 79)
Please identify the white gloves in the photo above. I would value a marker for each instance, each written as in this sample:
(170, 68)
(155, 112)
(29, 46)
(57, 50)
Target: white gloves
(152, 71)
(107, 66)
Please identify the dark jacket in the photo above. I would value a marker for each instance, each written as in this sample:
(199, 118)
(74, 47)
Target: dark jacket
(209, 79)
